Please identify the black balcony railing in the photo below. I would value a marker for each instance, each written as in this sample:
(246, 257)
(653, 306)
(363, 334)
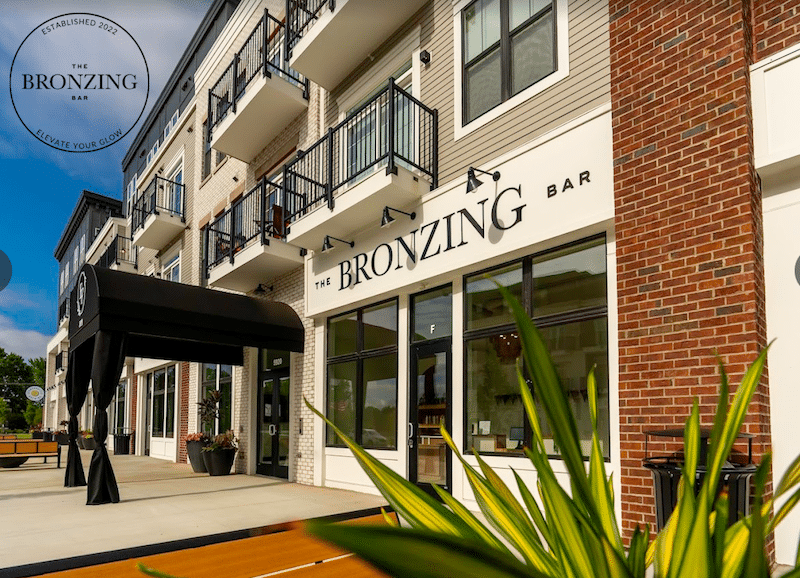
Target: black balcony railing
(300, 16)
(392, 129)
(255, 217)
(59, 362)
(119, 250)
(263, 52)
(161, 195)
(63, 310)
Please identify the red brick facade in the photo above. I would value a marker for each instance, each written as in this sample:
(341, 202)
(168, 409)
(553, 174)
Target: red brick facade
(688, 221)
(776, 25)
(183, 413)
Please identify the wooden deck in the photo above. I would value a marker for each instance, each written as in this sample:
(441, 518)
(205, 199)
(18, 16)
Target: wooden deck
(288, 553)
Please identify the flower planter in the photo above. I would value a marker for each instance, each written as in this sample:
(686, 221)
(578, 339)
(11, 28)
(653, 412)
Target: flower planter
(62, 439)
(80, 442)
(89, 443)
(194, 449)
(219, 462)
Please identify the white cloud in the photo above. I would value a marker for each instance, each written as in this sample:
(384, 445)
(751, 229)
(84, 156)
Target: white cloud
(24, 342)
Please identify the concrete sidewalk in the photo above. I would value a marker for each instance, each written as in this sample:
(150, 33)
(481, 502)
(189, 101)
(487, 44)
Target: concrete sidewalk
(41, 520)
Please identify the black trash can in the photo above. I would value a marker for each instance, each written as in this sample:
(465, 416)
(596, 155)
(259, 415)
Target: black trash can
(122, 444)
(666, 470)
(47, 436)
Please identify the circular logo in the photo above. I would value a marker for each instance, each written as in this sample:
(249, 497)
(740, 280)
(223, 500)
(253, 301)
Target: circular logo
(79, 82)
(34, 393)
(5, 270)
(81, 298)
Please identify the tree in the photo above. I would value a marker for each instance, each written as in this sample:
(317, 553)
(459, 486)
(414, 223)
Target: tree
(14, 370)
(38, 370)
(4, 412)
(33, 414)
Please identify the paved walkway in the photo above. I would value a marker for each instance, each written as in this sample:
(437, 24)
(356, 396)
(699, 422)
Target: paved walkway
(40, 520)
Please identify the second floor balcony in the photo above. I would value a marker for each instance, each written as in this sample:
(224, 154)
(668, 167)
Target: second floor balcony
(158, 214)
(244, 245)
(119, 255)
(327, 39)
(385, 153)
(60, 362)
(257, 95)
(63, 313)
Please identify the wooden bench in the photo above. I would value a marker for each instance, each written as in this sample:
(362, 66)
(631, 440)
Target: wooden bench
(14, 453)
(8, 436)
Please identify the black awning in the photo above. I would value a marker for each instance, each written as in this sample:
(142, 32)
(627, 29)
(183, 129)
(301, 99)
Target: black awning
(167, 320)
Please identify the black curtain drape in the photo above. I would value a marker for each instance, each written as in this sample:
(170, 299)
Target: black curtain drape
(78, 374)
(107, 362)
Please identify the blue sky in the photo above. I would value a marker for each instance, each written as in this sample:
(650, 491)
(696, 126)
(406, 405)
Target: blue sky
(39, 185)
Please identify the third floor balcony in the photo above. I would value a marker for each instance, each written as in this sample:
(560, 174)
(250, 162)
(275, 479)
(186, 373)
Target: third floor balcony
(327, 39)
(257, 95)
(119, 255)
(385, 153)
(159, 213)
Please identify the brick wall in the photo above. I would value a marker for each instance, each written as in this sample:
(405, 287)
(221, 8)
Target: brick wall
(183, 413)
(688, 222)
(776, 25)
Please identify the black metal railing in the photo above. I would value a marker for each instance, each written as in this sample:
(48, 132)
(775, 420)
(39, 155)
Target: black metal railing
(59, 362)
(119, 250)
(63, 310)
(300, 17)
(263, 52)
(256, 216)
(392, 129)
(161, 195)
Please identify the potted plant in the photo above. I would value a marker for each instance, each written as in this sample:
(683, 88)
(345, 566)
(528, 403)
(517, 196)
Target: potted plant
(89, 443)
(61, 436)
(208, 409)
(80, 439)
(194, 449)
(220, 454)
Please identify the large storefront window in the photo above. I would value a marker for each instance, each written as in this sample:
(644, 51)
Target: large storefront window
(163, 401)
(220, 377)
(564, 291)
(362, 376)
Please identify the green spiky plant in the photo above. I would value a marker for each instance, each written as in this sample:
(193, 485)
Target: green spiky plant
(567, 536)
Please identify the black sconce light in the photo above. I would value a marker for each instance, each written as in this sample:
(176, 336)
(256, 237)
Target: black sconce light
(474, 182)
(387, 219)
(425, 57)
(328, 246)
(261, 291)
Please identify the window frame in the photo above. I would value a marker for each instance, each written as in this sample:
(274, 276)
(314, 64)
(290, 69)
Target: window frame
(462, 129)
(150, 381)
(217, 381)
(359, 356)
(542, 321)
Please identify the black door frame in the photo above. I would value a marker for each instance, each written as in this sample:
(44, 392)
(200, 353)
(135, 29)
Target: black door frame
(275, 470)
(426, 349)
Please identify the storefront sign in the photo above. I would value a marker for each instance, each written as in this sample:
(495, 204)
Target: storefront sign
(545, 192)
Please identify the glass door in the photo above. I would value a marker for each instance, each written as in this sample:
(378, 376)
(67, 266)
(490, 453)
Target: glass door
(430, 406)
(273, 414)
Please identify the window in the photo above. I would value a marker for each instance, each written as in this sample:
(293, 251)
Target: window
(564, 291)
(163, 381)
(170, 125)
(206, 151)
(83, 247)
(153, 151)
(119, 408)
(131, 193)
(75, 259)
(174, 190)
(219, 377)
(171, 271)
(362, 376)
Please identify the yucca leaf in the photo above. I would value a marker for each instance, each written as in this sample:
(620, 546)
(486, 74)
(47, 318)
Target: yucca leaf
(388, 519)
(505, 519)
(402, 553)
(469, 518)
(719, 523)
(790, 478)
(721, 414)
(533, 508)
(530, 409)
(415, 506)
(551, 394)
(502, 490)
(736, 538)
(637, 551)
(782, 512)
(696, 556)
(152, 571)
(756, 565)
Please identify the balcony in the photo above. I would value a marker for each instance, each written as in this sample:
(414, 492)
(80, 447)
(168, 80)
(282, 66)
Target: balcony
(316, 29)
(60, 362)
(158, 215)
(338, 186)
(244, 246)
(63, 314)
(119, 255)
(257, 96)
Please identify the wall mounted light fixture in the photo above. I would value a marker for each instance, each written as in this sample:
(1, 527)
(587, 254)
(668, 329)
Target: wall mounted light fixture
(474, 182)
(328, 246)
(387, 219)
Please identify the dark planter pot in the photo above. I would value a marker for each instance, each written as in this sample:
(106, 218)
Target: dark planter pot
(89, 443)
(12, 462)
(194, 449)
(62, 439)
(37, 435)
(80, 442)
(47, 436)
(219, 462)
